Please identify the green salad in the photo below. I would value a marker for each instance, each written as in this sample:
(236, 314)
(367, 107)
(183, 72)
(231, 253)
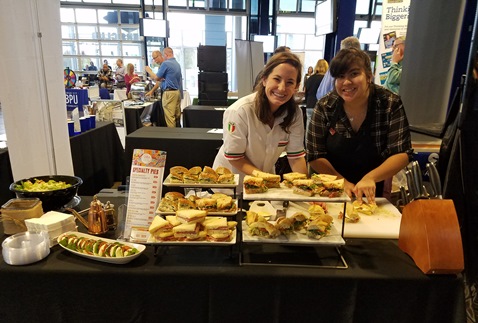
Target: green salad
(41, 186)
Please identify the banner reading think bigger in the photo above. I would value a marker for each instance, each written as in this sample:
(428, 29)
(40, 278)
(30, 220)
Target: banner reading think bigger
(394, 24)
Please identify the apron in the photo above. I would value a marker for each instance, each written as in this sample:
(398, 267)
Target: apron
(353, 157)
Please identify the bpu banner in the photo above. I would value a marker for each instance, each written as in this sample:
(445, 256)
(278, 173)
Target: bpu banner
(394, 24)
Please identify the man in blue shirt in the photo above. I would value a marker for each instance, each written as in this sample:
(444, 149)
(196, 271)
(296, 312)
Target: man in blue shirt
(327, 83)
(171, 87)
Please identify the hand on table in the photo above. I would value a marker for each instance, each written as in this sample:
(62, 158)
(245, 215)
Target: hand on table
(366, 187)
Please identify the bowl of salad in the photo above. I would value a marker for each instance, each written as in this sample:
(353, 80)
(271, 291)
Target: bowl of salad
(54, 191)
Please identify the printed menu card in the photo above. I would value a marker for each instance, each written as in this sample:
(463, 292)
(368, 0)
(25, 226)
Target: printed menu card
(146, 182)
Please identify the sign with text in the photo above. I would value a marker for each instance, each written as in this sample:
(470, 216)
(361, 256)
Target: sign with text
(394, 24)
(145, 188)
(76, 98)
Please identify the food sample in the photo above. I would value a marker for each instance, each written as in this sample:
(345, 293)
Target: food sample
(190, 216)
(96, 247)
(290, 177)
(270, 180)
(254, 185)
(41, 186)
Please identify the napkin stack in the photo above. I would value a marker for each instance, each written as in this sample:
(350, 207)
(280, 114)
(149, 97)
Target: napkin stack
(54, 223)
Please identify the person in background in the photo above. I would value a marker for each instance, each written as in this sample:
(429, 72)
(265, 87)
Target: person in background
(313, 82)
(259, 127)
(327, 83)
(106, 62)
(310, 71)
(105, 77)
(157, 59)
(130, 77)
(120, 73)
(169, 74)
(394, 74)
(92, 77)
(359, 131)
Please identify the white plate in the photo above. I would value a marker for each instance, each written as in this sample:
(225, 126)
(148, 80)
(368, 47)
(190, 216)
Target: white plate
(383, 224)
(167, 182)
(118, 261)
(152, 241)
(285, 194)
(158, 212)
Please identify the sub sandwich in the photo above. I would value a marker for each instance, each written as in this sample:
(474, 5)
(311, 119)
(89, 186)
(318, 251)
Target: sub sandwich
(254, 185)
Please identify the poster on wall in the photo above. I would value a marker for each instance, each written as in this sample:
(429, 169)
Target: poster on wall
(394, 24)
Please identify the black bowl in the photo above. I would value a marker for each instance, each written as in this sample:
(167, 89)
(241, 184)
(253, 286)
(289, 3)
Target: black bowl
(51, 200)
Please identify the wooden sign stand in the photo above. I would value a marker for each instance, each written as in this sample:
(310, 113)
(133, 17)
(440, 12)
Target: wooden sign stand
(430, 234)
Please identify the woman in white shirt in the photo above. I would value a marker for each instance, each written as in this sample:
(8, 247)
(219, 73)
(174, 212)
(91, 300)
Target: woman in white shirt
(259, 127)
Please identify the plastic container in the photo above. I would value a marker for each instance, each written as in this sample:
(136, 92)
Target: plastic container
(25, 248)
(16, 211)
(54, 223)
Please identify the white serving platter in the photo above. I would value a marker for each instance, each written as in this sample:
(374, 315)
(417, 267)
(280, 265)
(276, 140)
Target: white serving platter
(383, 224)
(117, 261)
(155, 242)
(167, 182)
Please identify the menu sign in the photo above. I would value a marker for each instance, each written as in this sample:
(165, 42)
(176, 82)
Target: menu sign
(145, 187)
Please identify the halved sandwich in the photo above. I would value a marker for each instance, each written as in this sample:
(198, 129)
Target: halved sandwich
(207, 178)
(185, 204)
(254, 185)
(226, 204)
(270, 180)
(264, 230)
(320, 178)
(190, 178)
(364, 207)
(300, 221)
(179, 169)
(226, 179)
(166, 205)
(221, 170)
(161, 229)
(196, 170)
(316, 210)
(252, 217)
(351, 214)
(333, 188)
(304, 187)
(210, 170)
(319, 227)
(218, 230)
(190, 216)
(177, 174)
(173, 220)
(290, 177)
(186, 231)
(285, 225)
(173, 196)
(207, 204)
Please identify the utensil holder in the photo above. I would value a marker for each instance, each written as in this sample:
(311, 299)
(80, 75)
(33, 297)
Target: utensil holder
(430, 234)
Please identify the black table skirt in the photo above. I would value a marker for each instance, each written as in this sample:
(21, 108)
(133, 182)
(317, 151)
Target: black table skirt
(98, 158)
(6, 177)
(204, 284)
(202, 116)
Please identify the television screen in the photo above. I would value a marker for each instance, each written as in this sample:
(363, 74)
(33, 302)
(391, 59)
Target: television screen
(368, 35)
(325, 17)
(154, 28)
(268, 42)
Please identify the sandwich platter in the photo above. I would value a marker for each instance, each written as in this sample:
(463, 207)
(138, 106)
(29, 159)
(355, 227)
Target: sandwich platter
(286, 194)
(221, 213)
(111, 260)
(332, 239)
(167, 182)
(151, 240)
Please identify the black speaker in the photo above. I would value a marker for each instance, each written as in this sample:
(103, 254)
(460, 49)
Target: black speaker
(216, 103)
(212, 58)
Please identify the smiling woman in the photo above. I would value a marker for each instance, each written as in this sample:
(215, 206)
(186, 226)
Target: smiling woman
(261, 126)
(359, 131)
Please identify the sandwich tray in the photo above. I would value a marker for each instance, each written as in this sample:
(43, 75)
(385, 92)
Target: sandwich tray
(286, 194)
(332, 239)
(384, 223)
(116, 261)
(167, 182)
(215, 213)
(155, 242)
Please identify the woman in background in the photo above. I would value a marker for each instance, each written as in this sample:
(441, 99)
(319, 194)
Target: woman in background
(130, 78)
(259, 127)
(313, 83)
(310, 71)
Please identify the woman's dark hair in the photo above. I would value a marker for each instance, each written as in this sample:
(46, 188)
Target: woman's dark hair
(261, 103)
(344, 60)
